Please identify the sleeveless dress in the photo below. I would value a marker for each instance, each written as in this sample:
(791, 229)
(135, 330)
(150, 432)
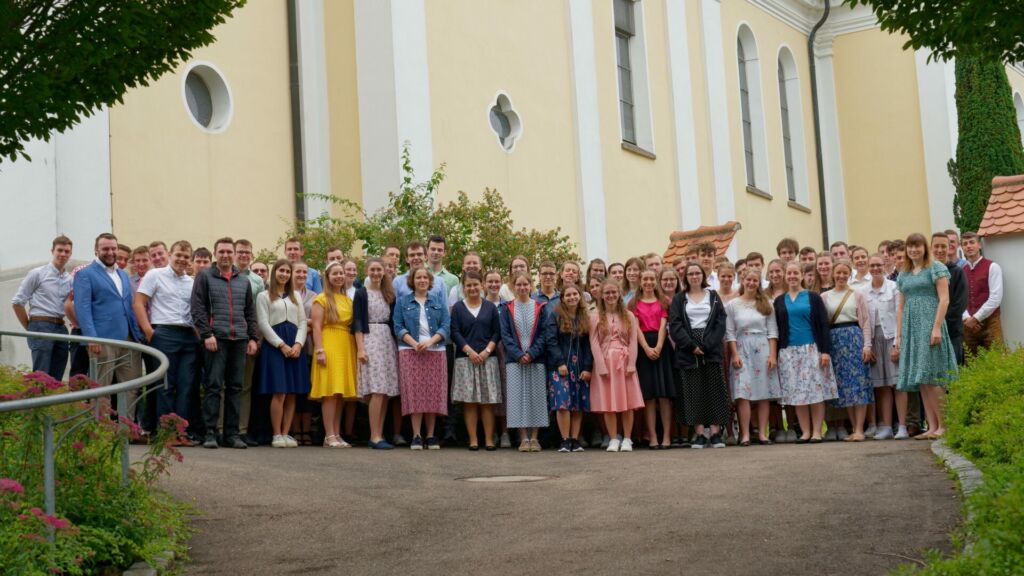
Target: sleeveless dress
(380, 374)
(920, 362)
(338, 377)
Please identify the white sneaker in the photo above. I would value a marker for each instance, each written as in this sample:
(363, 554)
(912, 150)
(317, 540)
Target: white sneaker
(613, 445)
(841, 433)
(791, 436)
(883, 433)
(506, 442)
(871, 431)
(901, 434)
(830, 436)
(606, 441)
(279, 442)
(626, 445)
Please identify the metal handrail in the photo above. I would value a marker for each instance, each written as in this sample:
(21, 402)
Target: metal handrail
(120, 389)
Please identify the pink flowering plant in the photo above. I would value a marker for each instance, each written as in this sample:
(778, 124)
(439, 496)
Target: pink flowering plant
(100, 525)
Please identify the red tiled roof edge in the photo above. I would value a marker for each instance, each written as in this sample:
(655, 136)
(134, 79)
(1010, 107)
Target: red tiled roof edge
(1005, 211)
(720, 235)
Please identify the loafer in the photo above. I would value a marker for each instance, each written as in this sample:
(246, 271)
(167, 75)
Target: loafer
(382, 445)
(237, 443)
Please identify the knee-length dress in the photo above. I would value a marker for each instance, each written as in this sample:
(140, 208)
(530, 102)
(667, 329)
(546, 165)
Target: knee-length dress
(281, 321)
(703, 394)
(614, 385)
(657, 379)
(572, 350)
(524, 330)
(851, 334)
(380, 374)
(339, 376)
(920, 362)
(804, 381)
(752, 332)
(478, 329)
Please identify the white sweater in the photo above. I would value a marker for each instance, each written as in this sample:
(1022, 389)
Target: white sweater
(282, 310)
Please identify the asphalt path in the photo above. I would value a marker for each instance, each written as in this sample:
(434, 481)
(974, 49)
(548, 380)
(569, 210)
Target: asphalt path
(835, 508)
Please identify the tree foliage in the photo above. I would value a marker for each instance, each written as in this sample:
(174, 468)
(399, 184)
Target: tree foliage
(60, 60)
(483, 226)
(989, 144)
(990, 29)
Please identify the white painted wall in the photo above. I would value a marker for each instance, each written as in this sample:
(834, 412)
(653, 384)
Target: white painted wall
(1006, 250)
(687, 182)
(936, 134)
(313, 109)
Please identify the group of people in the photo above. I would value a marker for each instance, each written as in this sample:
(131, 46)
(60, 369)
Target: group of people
(844, 344)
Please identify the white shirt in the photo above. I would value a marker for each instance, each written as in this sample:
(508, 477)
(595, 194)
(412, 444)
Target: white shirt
(699, 312)
(995, 291)
(882, 304)
(44, 290)
(474, 311)
(170, 296)
(114, 276)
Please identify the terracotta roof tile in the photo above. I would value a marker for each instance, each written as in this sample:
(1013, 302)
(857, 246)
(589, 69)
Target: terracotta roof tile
(721, 236)
(1005, 212)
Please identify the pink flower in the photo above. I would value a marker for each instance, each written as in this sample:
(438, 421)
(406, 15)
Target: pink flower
(36, 512)
(58, 523)
(22, 516)
(78, 446)
(11, 485)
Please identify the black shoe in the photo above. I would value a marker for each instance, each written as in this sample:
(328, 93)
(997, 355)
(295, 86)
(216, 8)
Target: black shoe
(576, 446)
(716, 441)
(699, 442)
(565, 446)
(237, 443)
(249, 441)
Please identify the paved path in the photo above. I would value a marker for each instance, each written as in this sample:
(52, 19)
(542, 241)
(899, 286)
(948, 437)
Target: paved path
(786, 509)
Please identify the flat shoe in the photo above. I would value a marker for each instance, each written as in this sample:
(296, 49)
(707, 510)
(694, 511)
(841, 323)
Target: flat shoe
(815, 441)
(490, 448)
(764, 442)
(925, 436)
(802, 440)
(745, 443)
(473, 448)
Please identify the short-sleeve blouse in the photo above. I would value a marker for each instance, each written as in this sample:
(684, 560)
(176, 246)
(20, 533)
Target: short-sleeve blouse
(649, 315)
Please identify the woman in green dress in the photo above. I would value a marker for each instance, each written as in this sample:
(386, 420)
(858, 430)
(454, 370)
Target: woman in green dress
(926, 358)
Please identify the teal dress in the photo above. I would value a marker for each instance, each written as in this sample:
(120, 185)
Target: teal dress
(920, 362)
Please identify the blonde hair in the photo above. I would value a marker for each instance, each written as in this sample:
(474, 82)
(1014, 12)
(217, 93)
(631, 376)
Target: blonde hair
(602, 311)
(331, 305)
(760, 298)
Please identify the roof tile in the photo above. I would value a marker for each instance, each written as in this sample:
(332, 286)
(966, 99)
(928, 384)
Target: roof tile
(1005, 212)
(721, 236)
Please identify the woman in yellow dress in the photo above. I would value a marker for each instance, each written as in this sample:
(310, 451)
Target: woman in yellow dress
(334, 372)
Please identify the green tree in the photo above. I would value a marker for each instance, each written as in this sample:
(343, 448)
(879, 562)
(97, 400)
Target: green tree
(61, 60)
(484, 226)
(990, 29)
(989, 144)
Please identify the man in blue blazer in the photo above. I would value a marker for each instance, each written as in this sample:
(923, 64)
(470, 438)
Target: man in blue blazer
(103, 306)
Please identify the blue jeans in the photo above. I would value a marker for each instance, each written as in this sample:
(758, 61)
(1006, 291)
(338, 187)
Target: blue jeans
(50, 356)
(179, 345)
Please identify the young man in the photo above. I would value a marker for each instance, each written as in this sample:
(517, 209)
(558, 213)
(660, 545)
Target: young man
(335, 254)
(808, 255)
(706, 253)
(224, 314)
(157, 254)
(654, 262)
(436, 250)
(124, 256)
(201, 260)
(44, 290)
(103, 309)
(415, 255)
(140, 265)
(680, 264)
(957, 293)
(162, 308)
(392, 257)
(470, 263)
(787, 249)
(243, 260)
(546, 292)
(897, 252)
(293, 252)
(983, 325)
(840, 251)
(260, 269)
(954, 248)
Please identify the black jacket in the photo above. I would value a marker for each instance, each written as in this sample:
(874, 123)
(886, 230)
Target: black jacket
(819, 322)
(224, 307)
(476, 331)
(562, 343)
(957, 300)
(684, 338)
(361, 312)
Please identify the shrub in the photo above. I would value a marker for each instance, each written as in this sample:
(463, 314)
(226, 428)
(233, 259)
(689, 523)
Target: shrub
(100, 523)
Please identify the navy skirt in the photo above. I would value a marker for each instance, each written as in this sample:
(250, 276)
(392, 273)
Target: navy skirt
(280, 375)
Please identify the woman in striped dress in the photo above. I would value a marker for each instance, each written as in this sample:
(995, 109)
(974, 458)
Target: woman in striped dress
(525, 330)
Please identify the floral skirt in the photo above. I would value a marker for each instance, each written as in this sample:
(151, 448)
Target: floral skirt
(754, 381)
(476, 383)
(568, 392)
(803, 379)
(424, 382)
(852, 374)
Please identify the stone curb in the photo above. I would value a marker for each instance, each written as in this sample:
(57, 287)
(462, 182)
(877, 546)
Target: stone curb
(160, 565)
(967, 474)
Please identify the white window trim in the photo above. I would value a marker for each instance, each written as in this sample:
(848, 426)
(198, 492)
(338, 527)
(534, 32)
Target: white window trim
(643, 125)
(1018, 108)
(220, 96)
(762, 177)
(796, 128)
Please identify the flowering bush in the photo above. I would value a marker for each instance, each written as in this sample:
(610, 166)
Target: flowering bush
(100, 524)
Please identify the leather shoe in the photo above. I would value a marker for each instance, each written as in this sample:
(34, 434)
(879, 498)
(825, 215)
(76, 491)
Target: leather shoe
(249, 441)
(238, 443)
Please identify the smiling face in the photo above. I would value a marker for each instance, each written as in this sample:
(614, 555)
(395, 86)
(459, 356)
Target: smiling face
(492, 282)
(158, 256)
(522, 288)
(260, 269)
(794, 277)
(972, 248)
(648, 283)
(435, 253)
(632, 274)
(300, 272)
(547, 277)
(140, 262)
(414, 257)
(915, 252)
(653, 263)
(336, 277)
(751, 282)
(694, 277)
(860, 260)
(375, 271)
(598, 269)
(225, 255)
(351, 272)
(610, 294)
(518, 266)
(571, 296)
(840, 252)
(940, 248)
(824, 267)
(335, 256)
(876, 266)
(669, 282)
(570, 273)
(243, 256)
(421, 280)
(471, 263)
(726, 277)
(282, 275)
(180, 259)
(293, 251)
(776, 275)
(595, 288)
(472, 287)
(123, 257)
(841, 276)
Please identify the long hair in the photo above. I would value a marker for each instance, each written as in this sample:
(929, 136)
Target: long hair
(916, 239)
(640, 266)
(275, 293)
(685, 280)
(590, 268)
(658, 295)
(602, 310)
(667, 298)
(820, 282)
(804, 270)
(760, 298)
(386, 289)
(329, 293)
(511, 277)
(560, 283)
(576, 323)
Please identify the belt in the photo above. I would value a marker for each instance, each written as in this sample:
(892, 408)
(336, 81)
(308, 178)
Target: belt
(173, 327)
(379, 322)
(844, 324)
(50, 319)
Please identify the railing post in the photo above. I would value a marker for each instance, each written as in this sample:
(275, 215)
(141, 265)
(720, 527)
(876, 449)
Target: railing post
(94, 375)
(49, 482)
(122, 412)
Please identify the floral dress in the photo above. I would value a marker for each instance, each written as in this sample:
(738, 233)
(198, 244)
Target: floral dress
(920, 362)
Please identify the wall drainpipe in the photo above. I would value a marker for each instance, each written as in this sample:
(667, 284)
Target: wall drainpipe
(817, 124)
(296, 101)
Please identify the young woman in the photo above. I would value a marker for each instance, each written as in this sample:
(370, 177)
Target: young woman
(349, 405)
(882, 295)
(546, 292)
(375, 348)
(283, 366)
(493, 282)
(476, 381)
(668, 281)
(525, 330)
(351, 274)
(697, 325)
(823, 269)
(569, 365)
(302, 425)
(518, 265)
(776, 276)
(926, 356)
(596, 269)
(805, 367)
(808, 274)
(617, 272)
(752, 334)
(422, 324)
(654, 364)
(334, 372)
(861, 275)
(569, 274)
(726, 280)
(615, 390)
(850, 333)
(634, 266)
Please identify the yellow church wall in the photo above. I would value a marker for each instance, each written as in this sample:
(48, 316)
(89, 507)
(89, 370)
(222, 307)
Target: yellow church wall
(522, 50)
(880, 137)
(342, 100)
(170, 180)
(766, 221)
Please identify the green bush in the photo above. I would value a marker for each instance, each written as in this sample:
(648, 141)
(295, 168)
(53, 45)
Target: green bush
(100, 524)
(985, 423)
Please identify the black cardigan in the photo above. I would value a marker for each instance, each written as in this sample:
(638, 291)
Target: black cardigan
(562, 343)
(683, 337)
(361, 312)
(476, 331)
(819, 322)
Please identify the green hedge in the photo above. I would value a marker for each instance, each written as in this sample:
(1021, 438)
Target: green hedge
(985, 421)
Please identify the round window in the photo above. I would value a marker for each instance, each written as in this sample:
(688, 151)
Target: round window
(207, 97)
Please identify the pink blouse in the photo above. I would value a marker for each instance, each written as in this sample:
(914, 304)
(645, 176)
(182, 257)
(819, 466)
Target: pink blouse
(612, 341)
(649, 315)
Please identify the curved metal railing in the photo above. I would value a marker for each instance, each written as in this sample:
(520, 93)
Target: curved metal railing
(96, 368)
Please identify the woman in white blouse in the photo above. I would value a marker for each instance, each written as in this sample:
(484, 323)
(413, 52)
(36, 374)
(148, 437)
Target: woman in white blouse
(851, 333)
(753, 337)
(882, 295)
(282, 362)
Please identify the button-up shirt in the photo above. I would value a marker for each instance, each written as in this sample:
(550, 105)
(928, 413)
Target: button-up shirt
(255, 281)
(44, 290)
(450, 280)
(995, 291)
(114, 276)
(170, 296)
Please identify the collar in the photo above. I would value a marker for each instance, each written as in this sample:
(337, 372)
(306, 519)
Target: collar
(974, 263)
(110, 269)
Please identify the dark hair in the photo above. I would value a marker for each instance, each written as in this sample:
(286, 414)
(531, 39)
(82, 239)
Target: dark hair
(685, 280)
(410, 280)
(787, 243)
(808, 250)
(917, 239)
(334, 249)
(124, 248)
(224, 240)
(472, 275)
(240, 241)
(590, 268)
(103, 236)
(967, 235)
(839, 243)
(706, 248)
(437, 239)
(951, 231)
(754, 256)
(184, 244)
(896, 245)
(413, 245)
(940, 235)
(576, 324)
(289, 289)
(202, 252)
(386, 289)
(141, 250)
(64, 241)
(293, 240)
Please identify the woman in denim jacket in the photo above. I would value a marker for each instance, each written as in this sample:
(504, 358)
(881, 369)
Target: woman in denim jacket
(422, 325)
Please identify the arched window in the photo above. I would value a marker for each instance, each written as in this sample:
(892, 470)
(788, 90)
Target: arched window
(1018, 105)
(751, 111)
(792, 117)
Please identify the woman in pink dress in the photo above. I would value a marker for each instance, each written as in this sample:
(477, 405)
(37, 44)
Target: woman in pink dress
(615, 388)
